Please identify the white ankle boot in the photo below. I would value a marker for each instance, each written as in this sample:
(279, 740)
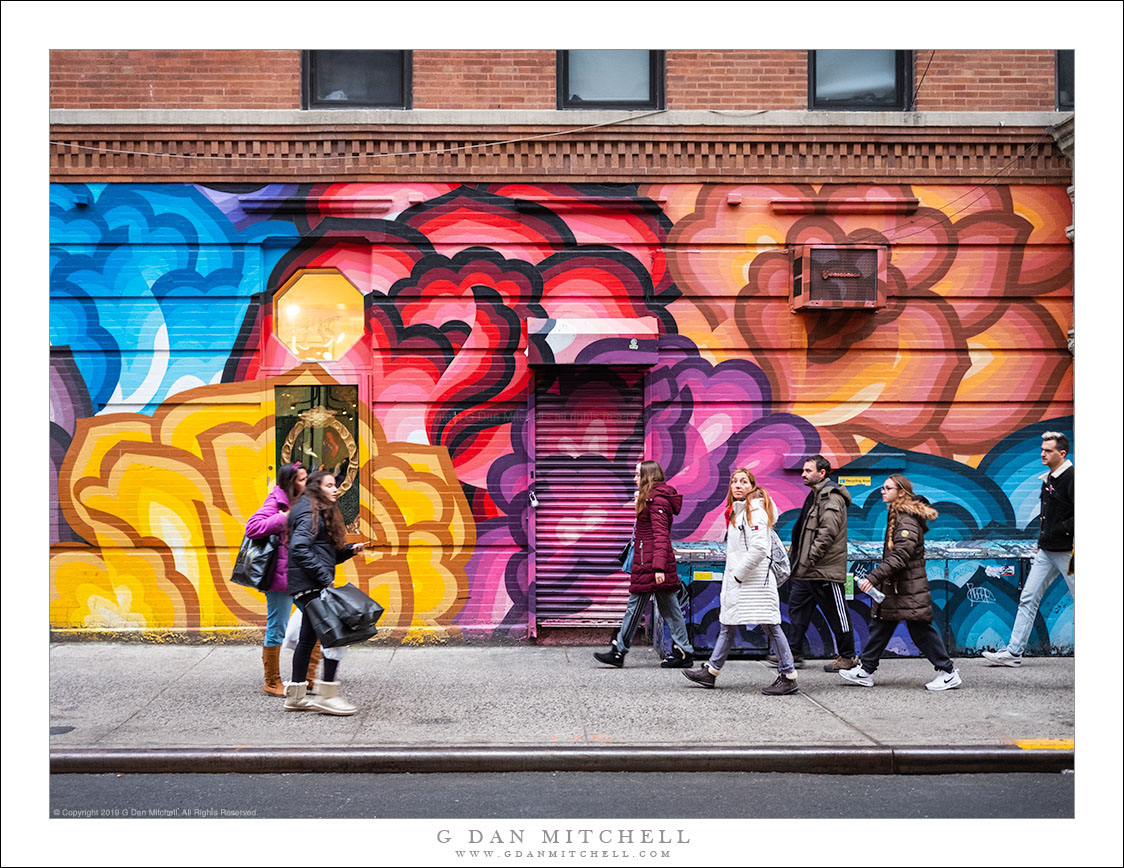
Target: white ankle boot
(329, 701)
(296, 698)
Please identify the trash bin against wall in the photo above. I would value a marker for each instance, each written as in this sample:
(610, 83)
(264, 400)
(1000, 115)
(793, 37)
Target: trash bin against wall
(859, 610)
(979, 587)
(701, 565)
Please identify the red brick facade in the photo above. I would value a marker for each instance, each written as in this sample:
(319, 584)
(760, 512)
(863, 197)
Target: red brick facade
(955, 80)
(140, 79)
(484, 79)
(996, 81)
(737, 80)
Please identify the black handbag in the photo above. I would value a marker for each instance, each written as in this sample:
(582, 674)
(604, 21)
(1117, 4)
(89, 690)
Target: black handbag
(253, 567)
(343, 616)
(625, 557)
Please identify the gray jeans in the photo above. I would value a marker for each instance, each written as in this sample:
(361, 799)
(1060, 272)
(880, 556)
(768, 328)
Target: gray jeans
(668, 604)
(773, 633)
(1045, 567)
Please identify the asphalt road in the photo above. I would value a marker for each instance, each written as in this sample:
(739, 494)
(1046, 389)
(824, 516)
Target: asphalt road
(669, 795)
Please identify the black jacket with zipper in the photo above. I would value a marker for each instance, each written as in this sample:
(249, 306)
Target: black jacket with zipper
(312, 556)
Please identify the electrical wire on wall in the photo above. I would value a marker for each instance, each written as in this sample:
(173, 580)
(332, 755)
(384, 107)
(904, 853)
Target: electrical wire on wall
(1034, 146)
(917, 90)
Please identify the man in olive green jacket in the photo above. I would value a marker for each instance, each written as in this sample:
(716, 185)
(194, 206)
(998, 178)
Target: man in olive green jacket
(819, 563)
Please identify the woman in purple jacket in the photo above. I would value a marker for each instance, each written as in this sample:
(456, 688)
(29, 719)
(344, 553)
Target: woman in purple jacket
(653, 569)
(273, 518)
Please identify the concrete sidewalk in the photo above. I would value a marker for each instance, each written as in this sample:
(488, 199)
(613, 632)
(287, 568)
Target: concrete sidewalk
(156, 708)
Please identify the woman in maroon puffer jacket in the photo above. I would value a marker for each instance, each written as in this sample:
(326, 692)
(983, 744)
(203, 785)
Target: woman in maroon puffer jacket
(653, 569)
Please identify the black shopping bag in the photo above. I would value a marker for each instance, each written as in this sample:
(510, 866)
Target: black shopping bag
(343, 616)
(254, 565)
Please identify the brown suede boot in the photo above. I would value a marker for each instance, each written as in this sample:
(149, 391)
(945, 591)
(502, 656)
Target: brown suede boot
(313, 667)
(271, 661)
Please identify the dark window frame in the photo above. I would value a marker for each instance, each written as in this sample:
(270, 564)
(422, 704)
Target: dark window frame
(657, 89)
(903, 76)
(1058, 104)
(308, 88)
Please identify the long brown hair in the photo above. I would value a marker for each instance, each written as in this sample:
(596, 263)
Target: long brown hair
(650, 474)
(906, 496)
(755, 493)
(322, 509)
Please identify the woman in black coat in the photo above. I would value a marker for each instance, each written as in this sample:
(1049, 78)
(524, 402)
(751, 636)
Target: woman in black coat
(902, 579)
(317, 543)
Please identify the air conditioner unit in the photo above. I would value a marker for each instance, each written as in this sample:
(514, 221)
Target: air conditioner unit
(836, 277)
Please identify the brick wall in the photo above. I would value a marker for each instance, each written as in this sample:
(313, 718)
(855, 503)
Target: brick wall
(484, 80)
(142, 79)
(1015, 80)
(1020, 80)
(737, 79)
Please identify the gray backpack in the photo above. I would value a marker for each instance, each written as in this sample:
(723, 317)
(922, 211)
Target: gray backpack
(779, 564)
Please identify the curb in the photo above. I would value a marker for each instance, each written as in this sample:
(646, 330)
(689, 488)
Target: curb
(880, 760)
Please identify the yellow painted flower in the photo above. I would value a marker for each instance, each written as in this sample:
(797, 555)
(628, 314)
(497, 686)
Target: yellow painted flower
(163, 501)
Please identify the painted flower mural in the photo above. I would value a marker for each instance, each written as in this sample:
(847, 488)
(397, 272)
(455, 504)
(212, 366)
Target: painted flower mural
(163, 501)
(975, 274)
(165, 362)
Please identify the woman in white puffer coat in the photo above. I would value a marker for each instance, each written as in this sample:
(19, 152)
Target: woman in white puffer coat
(749, 589)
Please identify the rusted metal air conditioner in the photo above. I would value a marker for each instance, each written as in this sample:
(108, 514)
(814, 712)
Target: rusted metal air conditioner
(838, 277)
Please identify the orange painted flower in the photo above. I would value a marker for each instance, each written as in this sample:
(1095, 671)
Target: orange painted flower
(975, 277)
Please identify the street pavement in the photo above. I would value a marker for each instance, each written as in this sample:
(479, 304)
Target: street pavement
(177, 708)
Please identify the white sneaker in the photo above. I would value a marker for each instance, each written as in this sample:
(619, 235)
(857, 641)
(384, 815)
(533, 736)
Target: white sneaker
(858, 675)
(1003, 657)
(945, 681)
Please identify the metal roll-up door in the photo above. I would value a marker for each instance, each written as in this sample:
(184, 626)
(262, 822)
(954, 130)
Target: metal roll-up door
(589, 436)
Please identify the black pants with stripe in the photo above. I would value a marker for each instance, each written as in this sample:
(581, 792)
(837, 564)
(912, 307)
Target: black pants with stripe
(803, 597)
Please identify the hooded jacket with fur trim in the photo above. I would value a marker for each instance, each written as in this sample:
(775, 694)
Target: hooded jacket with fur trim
(901, 575)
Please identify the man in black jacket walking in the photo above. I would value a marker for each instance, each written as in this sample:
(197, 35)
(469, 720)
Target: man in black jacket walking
(1055, 546)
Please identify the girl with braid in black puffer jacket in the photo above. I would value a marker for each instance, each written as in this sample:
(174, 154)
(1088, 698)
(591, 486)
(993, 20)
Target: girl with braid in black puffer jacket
(901, 587)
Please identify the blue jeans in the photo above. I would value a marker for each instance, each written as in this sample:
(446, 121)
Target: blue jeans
(773, 632)
(278, 604)
(668, 604)
(1045, 567)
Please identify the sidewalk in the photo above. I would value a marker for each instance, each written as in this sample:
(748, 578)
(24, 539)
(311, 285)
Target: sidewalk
(153, 708)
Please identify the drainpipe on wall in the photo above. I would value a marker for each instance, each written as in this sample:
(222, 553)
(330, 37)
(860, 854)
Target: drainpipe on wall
(1063, 134)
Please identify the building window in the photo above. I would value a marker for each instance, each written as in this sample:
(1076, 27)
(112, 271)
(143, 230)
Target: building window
(871, 79)
(1063, 76)
(356, 79)
(610, 79)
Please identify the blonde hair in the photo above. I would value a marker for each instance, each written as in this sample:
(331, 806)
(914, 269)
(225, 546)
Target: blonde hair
(755, 493)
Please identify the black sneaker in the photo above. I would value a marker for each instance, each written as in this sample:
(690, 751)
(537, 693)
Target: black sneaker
(677, 659)
(612, 657)
(781, 687)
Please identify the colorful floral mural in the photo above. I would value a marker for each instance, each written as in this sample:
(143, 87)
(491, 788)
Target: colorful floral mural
(164, 361)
